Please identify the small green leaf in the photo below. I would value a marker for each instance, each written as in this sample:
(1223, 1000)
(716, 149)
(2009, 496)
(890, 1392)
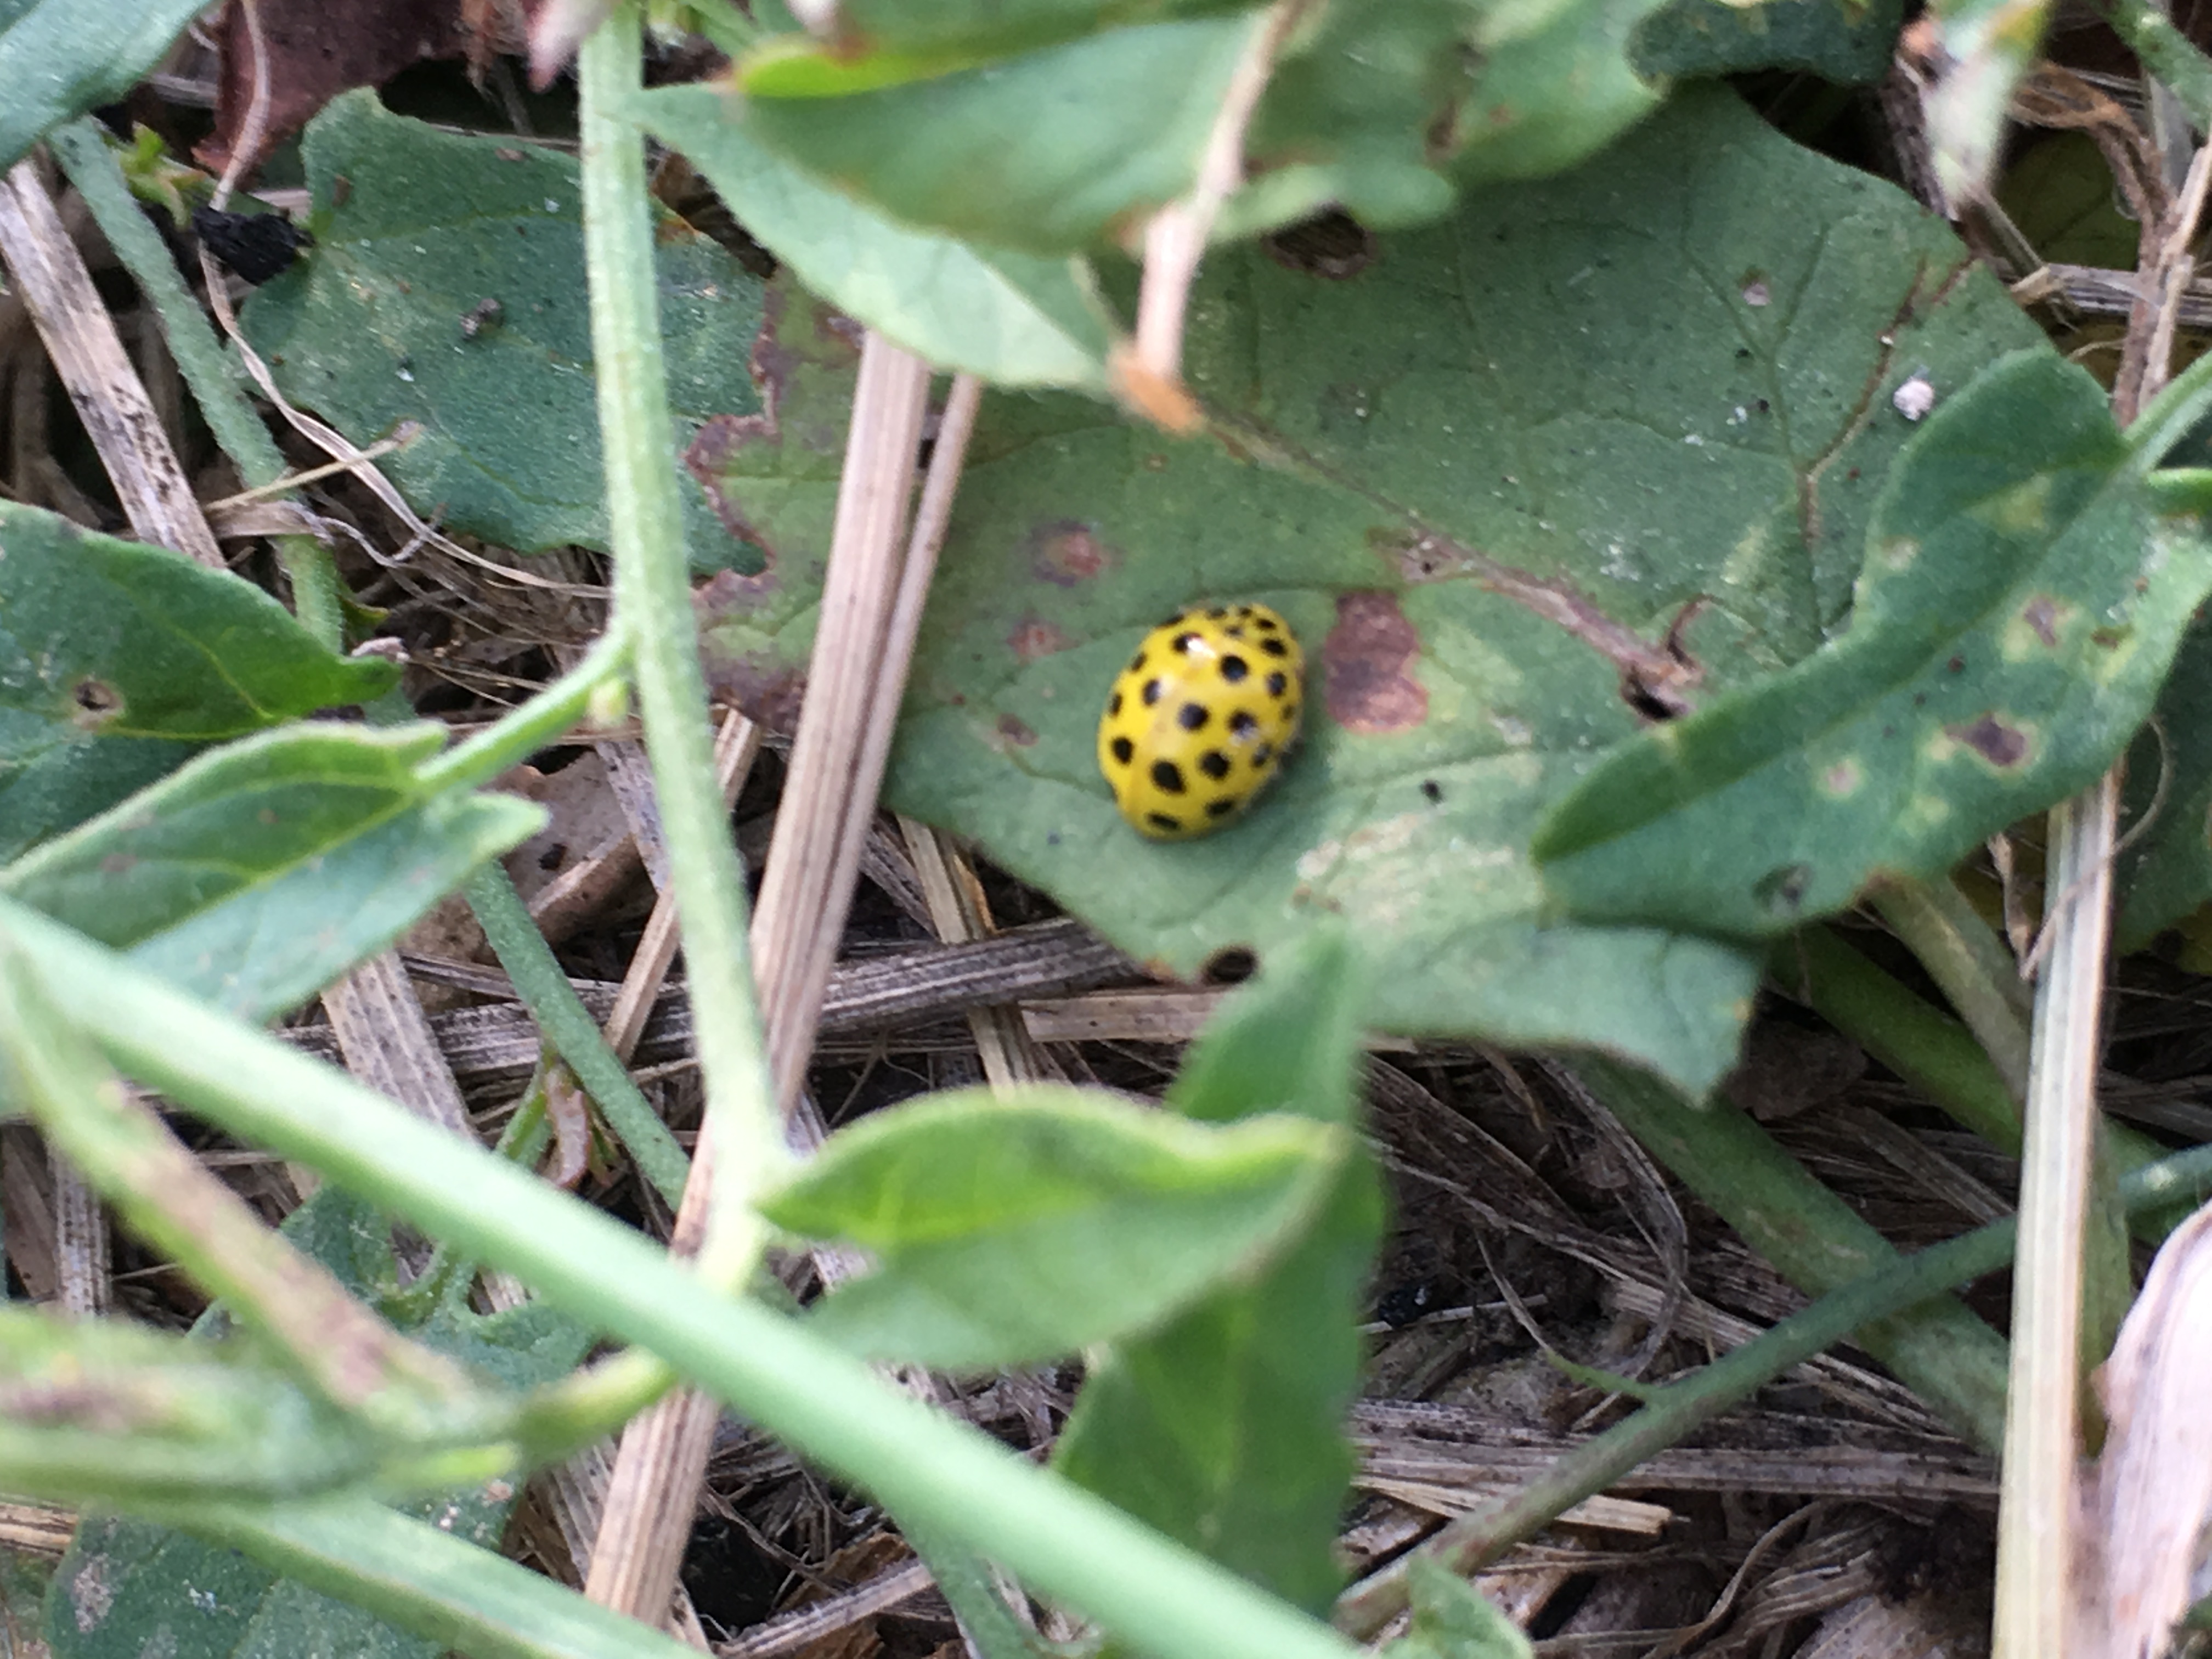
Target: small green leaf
(119, 661)
(1224, 1429)
(385, 321)
(1847, 41)
(1452, 1619)
(1045, 152)
(2020, 605)
(61, 58)
(1017, 1228)
(1014, 318)
(263, 870)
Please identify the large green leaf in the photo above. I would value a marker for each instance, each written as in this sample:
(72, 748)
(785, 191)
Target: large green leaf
(260, 872)
(2020, 602)
(61, 58)
(1011, 1229)
(1850, 41)
(1224, 1429)
(381, 323)
(119, 661)
(1473, 475)
(1042, 151)
(1015, 318)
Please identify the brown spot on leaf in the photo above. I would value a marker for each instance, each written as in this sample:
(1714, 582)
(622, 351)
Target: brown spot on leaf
(1416, 555)
(2041, 614)
(98, 702)
(765, 691)
(1994, 740)
(708, 458)
(1033, 639)
(1017, 731)
(1066, 551)
(1365, 662)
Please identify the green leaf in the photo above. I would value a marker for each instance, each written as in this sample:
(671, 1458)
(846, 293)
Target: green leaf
(61, 58)
(870, 27)
(263, 870)
(119, 661)
(1014, 1229)
(1848, 41)
(416, 229)
(1044, 152)
(2020, 605)
(1471, 474)
(1225, 1430)
(1014, 318)
(129, 1587)
(1452, 1619)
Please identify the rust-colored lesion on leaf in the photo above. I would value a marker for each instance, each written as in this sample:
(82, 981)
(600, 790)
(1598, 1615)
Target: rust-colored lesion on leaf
(1366, 663)
(1017, 731)
(1067, 552)
(1032, 638)
(1995, 739)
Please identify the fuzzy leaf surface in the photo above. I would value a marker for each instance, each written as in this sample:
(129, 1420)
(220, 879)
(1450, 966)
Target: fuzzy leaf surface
(1225, 1428)
(119, 661)
(61, 58)
(1014, 318)
(1012, 1230)
(1481, 471)
(2020, 603)
(259, 872)
(128, 1588)
(416, 230)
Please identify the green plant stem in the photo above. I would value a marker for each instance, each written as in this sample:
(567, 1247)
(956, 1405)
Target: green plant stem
(542, 721)
(652, 597)
(1813, 1239)
(1920, 1043)
(1159, 1596)
(2170, 417)
(1963, 956)
(81, 146)
(2166, 52)
(543, 985)
(1936, 1053)
(1476, 1540)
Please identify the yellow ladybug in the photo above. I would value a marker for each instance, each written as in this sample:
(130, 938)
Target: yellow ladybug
(1198, 722)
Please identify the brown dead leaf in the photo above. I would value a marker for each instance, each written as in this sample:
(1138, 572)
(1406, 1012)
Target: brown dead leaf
(313, 51)
(2147, 1503)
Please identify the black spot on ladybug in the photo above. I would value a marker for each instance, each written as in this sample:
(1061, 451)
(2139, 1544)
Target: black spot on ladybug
(1181, 643)
(1275, 648)
(1123, 751)
(1221, 808)
(1278, 683)
(1265, 624)
(1163, 821)
(1218, 612)
(1242, 724)
(1214, 764)
(1261, 754)
(1433, 790)
(1234, 668)
(1137, 663)
(1192, 716)
(1114, 704)
(1168, 776)
(1151, 692)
